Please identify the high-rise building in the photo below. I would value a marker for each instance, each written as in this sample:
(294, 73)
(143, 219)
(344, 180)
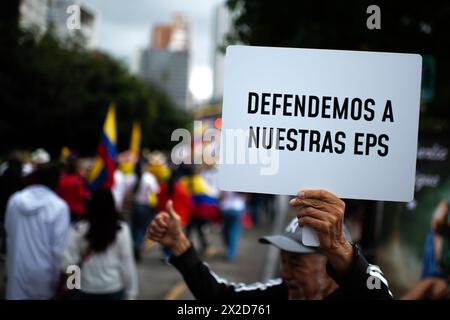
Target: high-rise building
(33, 15)
(173, 36)
(168, 70)
(222, 25)
(161, 36)
(166, 62)
(61, 15)
(38, 15)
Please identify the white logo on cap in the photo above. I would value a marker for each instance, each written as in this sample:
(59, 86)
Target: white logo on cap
(292, 227)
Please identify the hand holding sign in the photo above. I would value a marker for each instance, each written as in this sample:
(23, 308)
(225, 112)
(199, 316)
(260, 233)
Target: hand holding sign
(323, 212)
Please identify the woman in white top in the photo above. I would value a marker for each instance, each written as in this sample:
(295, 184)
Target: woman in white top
(102, 248)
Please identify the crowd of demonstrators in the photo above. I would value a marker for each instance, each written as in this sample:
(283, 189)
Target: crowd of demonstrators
(337, 270)
(193, 192)
(42, 204)
(50, 220)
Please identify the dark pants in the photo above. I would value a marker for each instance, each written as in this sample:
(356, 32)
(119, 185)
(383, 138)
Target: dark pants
(198, 224)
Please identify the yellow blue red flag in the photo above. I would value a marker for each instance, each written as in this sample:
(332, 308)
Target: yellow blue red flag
(102, 173)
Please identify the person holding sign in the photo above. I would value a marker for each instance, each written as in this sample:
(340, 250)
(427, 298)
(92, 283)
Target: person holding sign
(336, 270)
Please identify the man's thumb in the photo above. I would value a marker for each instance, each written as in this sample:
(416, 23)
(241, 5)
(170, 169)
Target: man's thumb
(170, 209)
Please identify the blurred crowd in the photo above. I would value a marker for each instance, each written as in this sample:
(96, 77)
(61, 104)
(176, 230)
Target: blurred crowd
(51, 221)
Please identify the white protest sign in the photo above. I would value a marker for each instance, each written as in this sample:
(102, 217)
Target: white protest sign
(345, 121)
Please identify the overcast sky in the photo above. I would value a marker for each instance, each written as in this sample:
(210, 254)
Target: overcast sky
(125, 26)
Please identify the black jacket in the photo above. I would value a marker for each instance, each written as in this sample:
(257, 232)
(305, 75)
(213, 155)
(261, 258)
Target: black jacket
(362, 281)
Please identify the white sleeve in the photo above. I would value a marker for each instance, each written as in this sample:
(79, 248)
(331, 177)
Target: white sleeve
(129, 271)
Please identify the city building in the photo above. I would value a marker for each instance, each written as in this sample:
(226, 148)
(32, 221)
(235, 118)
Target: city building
(63, 17)
(33, 15)
(173, 36)
(165, 63)
(168, 70)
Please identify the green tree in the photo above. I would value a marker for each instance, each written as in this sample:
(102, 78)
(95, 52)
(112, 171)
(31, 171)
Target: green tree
(56, 93)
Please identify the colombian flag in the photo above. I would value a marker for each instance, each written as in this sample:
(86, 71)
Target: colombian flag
(205, 203)
(102, 173)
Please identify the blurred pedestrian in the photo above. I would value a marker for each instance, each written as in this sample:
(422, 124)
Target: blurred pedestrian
(37, 222)
(232, 205)
(124, 179)
(102, 247)
(205, 209)
(11, 181)
(436, 260)
(255, 207)
(432, 288)
(72, 188)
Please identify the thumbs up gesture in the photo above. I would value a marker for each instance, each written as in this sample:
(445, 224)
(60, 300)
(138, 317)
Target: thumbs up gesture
(166, 229)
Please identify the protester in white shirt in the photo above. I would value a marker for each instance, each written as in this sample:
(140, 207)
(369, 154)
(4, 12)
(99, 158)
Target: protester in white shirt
(36, 223)
(102, 248)
(123, 183)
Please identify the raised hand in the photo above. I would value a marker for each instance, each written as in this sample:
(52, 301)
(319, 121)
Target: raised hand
(166, 229)
(323, 212)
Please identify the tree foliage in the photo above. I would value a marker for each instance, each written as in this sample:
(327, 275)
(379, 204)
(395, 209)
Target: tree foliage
(56, 93)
